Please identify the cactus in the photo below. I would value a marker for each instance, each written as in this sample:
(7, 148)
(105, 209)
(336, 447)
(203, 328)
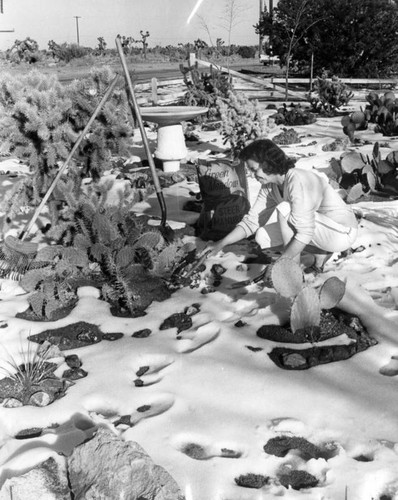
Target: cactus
(150, 240)
(332, 93)
(294, 115)
(352, 161)
(307, 303)
(331, 292)
(306, 310)
(359, 174)
(383, 111)
(286, 277)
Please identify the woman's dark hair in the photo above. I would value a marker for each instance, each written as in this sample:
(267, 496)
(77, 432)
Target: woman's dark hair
(269, 155)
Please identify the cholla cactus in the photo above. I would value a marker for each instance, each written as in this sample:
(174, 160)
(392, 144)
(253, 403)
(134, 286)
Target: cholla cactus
(242, 121)
(40, 120)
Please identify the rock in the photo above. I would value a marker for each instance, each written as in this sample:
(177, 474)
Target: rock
(217, 269)
(108, 468)
(142, 370)
(39, 398)
(80, 334)
(192, 310)
(143, 408)
(112, 336)
(281, 445)
(142, 334)
(30, 433)
(254, 349)
(73, 361)
(298, 479)
(240, 324)
(47, 481)
(256, 481)
(74, 373)
(11, 403)
(181, 321)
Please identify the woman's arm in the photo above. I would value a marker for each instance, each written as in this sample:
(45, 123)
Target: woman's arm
(237, 234)
(293, 249)
(261, 210)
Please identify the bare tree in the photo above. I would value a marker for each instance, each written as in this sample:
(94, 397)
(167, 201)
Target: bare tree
(233, 12)
(298, 24)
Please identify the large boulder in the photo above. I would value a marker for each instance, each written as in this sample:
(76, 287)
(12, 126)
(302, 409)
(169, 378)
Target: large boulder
(108, 468)
(47, 481)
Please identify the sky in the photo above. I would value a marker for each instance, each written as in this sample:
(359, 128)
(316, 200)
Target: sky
(166, 21)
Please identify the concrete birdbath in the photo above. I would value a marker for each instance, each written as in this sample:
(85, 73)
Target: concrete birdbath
(171, 148)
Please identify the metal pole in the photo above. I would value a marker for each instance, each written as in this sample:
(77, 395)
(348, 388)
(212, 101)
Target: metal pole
(77, 28)
(312, 70)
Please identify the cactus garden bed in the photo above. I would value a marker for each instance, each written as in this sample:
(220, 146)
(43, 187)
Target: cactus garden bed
(278, 391)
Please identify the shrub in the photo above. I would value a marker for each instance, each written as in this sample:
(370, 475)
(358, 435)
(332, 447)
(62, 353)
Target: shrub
(242, 121)
(24, 51)
(247, 52)
(205, 88)
(294, 115)
(66, 52)
(332, 93)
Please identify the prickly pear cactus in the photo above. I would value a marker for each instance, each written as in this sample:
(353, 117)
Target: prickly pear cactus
(306, 310)
(150, 240)
(331, 292)
(286, 277)
(352, 161)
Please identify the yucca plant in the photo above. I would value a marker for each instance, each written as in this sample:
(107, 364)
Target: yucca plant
(30, 379)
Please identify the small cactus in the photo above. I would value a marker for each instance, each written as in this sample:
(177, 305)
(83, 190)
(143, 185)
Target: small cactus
(306, 310)
(331, 292)
(286, 277)
(352, 161)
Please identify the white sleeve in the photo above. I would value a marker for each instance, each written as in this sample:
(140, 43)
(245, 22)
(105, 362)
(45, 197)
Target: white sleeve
(260, 212)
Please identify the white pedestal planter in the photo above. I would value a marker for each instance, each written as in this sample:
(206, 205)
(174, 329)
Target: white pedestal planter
(171, 147)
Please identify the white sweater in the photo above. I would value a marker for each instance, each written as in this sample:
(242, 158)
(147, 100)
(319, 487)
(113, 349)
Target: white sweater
(307, 192)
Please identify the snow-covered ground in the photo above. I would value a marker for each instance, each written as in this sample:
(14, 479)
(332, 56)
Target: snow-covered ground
(210, 393)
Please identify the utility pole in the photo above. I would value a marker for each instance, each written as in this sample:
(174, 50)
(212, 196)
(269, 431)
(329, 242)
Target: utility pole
(77, 28)
(260, 37)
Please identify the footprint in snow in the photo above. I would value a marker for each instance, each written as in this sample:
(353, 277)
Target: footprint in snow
(391, 368)
(148, 369)
(206, 451)
(157, 405)
(196, 339)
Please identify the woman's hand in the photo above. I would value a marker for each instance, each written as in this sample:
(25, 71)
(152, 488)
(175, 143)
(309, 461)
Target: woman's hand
(212, 248)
